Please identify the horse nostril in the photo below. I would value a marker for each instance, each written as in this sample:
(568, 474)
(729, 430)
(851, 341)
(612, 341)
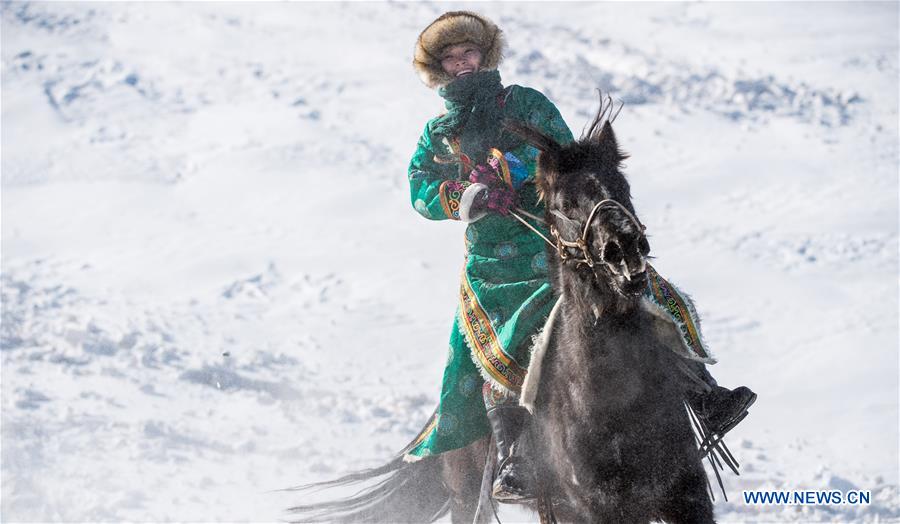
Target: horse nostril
(612, 253)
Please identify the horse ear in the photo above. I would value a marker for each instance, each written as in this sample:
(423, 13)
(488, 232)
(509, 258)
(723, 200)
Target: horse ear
(537, 138)
(547, 173)
(609, 146)
(548, 160)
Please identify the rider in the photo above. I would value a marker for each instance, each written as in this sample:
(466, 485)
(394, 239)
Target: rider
(467, 167)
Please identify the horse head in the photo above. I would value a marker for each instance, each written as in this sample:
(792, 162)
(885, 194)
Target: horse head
(599, 239)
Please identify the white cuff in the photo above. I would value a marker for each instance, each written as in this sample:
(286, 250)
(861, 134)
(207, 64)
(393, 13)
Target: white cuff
(466, 201)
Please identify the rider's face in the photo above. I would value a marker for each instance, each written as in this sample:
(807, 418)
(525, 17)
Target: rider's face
(461, 59)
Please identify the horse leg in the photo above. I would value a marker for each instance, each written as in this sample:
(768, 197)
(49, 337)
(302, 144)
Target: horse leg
(688, 502)
(461, 472)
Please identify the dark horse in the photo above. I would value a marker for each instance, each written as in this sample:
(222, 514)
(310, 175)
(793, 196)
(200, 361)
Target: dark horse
(610, 437)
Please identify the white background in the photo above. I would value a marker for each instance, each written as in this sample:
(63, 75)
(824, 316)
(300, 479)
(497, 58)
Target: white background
(214, 284)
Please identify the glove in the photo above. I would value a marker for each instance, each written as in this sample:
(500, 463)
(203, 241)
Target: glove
(513, 171)
(497, 197)
(487, 174)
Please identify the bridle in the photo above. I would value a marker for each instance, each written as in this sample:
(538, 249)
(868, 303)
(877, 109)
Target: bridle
(581, 243)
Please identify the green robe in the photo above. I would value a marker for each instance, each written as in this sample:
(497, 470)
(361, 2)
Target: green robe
(505, 293)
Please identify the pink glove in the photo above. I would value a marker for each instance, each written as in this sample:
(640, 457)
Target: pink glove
(487, 174)
(498, 197)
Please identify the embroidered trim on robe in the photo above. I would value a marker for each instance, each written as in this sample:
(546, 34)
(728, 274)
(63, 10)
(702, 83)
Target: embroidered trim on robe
(483, 342)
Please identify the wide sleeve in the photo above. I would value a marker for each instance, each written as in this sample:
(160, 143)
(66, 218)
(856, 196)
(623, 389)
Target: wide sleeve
(436, 191)
(531, 107)
(543, 115)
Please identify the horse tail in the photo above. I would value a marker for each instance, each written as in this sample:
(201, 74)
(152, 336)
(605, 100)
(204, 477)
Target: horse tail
(406, 489)
(398, 491)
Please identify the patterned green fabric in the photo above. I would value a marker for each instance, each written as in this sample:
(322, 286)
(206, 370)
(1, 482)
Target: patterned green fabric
(505, 294)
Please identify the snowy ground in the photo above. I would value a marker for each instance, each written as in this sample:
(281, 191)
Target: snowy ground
(214, 285)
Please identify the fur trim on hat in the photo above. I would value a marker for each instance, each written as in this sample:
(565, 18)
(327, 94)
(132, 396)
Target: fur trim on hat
(456, 27)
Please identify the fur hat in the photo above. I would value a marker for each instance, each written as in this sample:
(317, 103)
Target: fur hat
(456, 27)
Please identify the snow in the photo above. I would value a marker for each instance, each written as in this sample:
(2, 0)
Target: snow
(214, 285)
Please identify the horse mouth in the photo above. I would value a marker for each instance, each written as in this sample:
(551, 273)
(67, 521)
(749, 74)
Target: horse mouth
(633, 287)
(628, 288)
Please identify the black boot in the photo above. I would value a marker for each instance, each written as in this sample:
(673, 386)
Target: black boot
(721, 409)
(515, 475)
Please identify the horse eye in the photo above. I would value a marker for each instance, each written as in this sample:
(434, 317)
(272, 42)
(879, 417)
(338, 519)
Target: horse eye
(612, 253)
(644, 246)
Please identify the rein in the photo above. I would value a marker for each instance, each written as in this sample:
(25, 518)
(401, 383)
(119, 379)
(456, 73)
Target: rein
(529, 226)
(580, 243)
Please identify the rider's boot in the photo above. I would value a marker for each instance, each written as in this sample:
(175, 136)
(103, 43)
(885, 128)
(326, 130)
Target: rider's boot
(515, 474)
(721, 408)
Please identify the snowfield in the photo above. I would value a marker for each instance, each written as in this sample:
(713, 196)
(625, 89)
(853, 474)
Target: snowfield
(214, 285)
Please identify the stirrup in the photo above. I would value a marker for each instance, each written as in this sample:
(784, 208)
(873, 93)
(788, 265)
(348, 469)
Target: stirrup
(509, 494)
